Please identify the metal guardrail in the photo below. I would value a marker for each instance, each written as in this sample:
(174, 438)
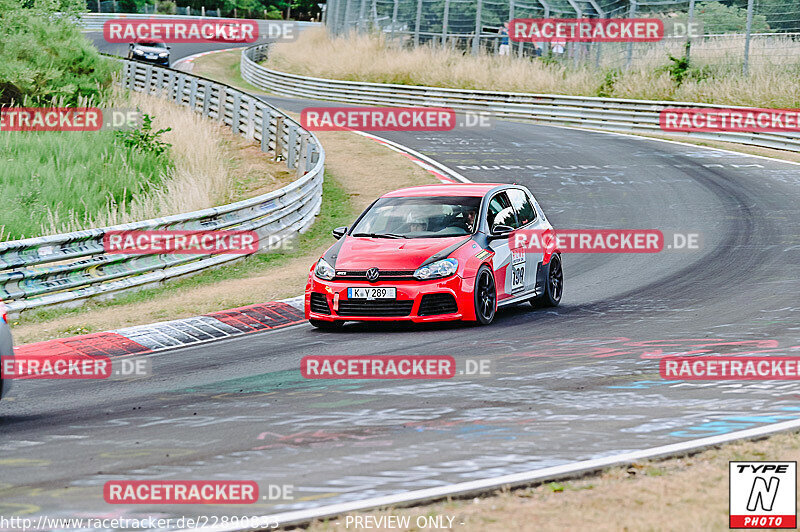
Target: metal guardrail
(612, 114)
(68, 268)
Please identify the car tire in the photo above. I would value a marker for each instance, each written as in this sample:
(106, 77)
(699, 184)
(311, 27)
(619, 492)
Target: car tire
(326, 325)
(553, 285)
(485, 296)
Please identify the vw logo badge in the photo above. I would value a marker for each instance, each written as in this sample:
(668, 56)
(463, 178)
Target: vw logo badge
(373, 274)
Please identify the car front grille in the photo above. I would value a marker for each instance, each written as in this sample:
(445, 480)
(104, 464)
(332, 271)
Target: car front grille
(433, 304)
(385, 275)
(319, 303)
(375, 308)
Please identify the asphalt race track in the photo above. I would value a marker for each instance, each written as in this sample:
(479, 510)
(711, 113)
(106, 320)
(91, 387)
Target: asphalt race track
(569, 384)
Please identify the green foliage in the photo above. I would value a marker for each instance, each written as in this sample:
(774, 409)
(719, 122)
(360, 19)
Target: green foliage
(144, 139)
(44, 59)
(69, 176)
(274, 14)
(610, 78)
(719, 18)
(681, 69)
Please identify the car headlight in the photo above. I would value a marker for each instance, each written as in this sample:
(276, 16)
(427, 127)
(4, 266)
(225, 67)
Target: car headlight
(324, 270)
(437, 270)
(137, 51)
(163, 54)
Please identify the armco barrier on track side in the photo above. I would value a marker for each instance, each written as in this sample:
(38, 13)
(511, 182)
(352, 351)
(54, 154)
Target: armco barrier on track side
(611, 114)
(67, 268)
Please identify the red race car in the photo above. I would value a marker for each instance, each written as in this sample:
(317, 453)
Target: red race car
(435, 253)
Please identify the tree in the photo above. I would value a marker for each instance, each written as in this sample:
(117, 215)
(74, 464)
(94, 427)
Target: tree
(719, 18)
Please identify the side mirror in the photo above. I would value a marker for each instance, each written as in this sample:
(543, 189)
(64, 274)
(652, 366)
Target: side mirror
(500, 231)
(339, 232)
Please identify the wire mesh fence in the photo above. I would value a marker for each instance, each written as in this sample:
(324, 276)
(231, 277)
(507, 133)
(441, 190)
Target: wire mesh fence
(737, 34)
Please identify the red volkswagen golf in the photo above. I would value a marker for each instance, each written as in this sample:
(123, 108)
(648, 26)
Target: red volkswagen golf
(435, 253)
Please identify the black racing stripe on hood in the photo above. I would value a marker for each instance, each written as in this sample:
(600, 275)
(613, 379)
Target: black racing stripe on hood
(444, 253)
(332, 254)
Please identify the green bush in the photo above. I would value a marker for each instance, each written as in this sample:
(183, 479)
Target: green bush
(44, 58)
(144, 139)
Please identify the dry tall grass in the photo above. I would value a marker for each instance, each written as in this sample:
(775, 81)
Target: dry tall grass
(773, 81)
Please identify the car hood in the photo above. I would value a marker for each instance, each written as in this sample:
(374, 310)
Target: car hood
(362, 253)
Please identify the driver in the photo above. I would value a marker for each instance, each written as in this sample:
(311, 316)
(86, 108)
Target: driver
(466, 220)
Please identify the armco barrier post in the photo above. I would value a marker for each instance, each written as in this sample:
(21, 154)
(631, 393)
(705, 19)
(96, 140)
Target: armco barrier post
(265, 133)
(302, 159)
(278, 137)
(222, 98)
(236, 114)
(206, 98)
(291, 157)
(179, 89)
(250, 132)
(193, 93)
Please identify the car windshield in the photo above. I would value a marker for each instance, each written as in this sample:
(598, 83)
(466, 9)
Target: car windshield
(419, 217)
(153, 44)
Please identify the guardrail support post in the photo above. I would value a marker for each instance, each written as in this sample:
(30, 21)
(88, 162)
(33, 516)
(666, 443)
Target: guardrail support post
(265, 132)
(237, 109)
(179, 89)
(278, 137)
(292, 148)
(206, 98)
(222, 99)
(251, 119)
(193, 93)
(148, 79)
(302, 159)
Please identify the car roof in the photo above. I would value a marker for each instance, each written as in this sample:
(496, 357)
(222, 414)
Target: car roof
(459, 189)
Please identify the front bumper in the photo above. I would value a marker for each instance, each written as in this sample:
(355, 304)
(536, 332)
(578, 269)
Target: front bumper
(162, 61)
(406, 307)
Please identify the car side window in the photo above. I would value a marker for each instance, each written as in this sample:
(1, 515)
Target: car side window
(522, 206)
(500, 212)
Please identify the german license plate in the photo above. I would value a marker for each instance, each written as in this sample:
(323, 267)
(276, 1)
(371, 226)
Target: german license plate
(371, 292)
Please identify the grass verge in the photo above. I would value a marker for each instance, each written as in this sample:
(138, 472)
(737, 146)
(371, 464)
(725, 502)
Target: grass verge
(686, 493)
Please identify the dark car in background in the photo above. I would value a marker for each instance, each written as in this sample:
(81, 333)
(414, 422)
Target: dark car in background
(150, 52)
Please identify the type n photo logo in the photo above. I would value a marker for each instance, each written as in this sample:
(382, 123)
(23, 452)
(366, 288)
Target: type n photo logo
(763, 494)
